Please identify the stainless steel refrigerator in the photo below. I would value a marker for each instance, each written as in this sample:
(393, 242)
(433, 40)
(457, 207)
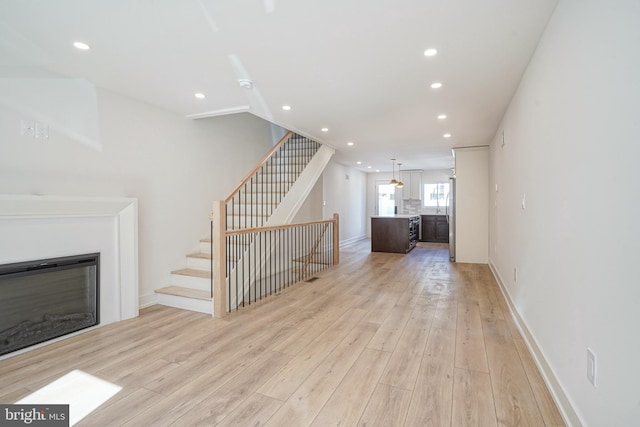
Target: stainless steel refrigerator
(451, 218)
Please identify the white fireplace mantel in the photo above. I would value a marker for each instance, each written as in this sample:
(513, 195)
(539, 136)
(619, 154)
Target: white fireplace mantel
(38, 227)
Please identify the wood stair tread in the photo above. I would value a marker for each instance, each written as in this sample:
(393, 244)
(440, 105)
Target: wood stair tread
(193, 273)
(200, 255)
(185, 292)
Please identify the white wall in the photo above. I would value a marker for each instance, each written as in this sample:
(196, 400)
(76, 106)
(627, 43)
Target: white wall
(472, 205)
(175, 166)
(572, 143)
(344, 192)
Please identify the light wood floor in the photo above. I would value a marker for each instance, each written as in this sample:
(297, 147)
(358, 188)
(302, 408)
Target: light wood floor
(380, 340)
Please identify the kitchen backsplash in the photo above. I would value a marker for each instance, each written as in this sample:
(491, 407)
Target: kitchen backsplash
(412, 207)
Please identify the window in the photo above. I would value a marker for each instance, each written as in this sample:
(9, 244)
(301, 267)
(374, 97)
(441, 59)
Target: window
(435, 195)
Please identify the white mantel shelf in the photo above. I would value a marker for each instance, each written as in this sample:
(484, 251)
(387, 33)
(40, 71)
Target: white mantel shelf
(24, 206)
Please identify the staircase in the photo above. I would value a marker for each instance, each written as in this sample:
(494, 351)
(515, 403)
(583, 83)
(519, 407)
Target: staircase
(271, 194)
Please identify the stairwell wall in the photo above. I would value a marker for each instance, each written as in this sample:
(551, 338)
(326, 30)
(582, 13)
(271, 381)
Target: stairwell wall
(344, 192)
(174, 166)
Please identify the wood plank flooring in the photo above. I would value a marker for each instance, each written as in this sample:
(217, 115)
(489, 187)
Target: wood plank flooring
(379, 340)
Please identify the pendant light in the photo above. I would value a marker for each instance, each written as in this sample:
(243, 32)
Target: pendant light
(400, 184)
(393, 172)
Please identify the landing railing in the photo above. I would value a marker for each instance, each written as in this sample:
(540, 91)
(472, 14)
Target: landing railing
(253, 200)
(251, 264)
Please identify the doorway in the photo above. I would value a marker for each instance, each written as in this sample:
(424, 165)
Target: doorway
(385, 198)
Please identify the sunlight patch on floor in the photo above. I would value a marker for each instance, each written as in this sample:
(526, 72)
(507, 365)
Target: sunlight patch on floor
(81, 391)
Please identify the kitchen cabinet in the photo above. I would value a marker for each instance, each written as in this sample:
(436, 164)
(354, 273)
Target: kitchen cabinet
(435, 228)
(412, 189)
(398, 233)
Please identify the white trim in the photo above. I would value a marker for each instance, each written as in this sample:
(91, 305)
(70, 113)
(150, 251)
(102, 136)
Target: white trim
(147, 300)
(563, 402)
(351, 241)
(222, 112)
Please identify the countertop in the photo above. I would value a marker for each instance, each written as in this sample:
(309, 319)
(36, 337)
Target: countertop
(395, 216)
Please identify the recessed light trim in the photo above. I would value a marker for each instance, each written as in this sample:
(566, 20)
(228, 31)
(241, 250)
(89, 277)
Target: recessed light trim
(286, 107)
(442, 116)
(436, 85)
(368, 167)
(325, 129)
(350, 144)
(431, 52)
(358, 163)
(200, 95)
(81, 46)
(446, 135)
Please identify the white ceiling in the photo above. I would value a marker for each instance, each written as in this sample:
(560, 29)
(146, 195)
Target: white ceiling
(354, 66)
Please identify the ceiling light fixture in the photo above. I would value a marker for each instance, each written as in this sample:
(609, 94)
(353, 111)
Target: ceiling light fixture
(431, 52)
(200, 95)
(400, 184)
(442, 116)
(393, 172)
(447, 135)
(81, 46)
(358, 163)
(286, 107)
(245, 83)
(325, 129)
(368, 167)
(436, 85)
(377, 170)
(350, 143)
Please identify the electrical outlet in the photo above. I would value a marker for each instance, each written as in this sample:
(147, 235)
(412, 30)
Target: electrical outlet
(27, 128)
(591, 366)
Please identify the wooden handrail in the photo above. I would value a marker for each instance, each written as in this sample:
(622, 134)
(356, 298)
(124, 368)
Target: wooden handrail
(258, 166)
(274, 227)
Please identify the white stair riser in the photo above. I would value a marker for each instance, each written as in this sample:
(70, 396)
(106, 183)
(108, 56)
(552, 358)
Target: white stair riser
(192, 282)
(199, 263)
(192, 304)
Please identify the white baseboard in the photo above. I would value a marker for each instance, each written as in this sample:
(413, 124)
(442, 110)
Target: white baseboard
(557, 392)
(147, 300)
(351, 241)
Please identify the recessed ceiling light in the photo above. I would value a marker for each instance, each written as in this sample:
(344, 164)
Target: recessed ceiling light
(430, 52)
(286, 107)
(358, 163)
(442, 116)
(377, 170)
(350, 143)
(325, 129)
(81, 46)
(368, 167)
(436, 85)
(199, 95)
(447, 135)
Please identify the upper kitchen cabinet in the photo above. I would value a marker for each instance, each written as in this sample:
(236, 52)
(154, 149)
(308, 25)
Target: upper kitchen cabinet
(412, 189)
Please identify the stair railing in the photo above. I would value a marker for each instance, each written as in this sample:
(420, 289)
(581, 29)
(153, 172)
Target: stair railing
(253, 200)
(250, 260)
(278, 257)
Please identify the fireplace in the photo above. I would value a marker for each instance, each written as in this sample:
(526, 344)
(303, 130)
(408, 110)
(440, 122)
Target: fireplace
(48, 298)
